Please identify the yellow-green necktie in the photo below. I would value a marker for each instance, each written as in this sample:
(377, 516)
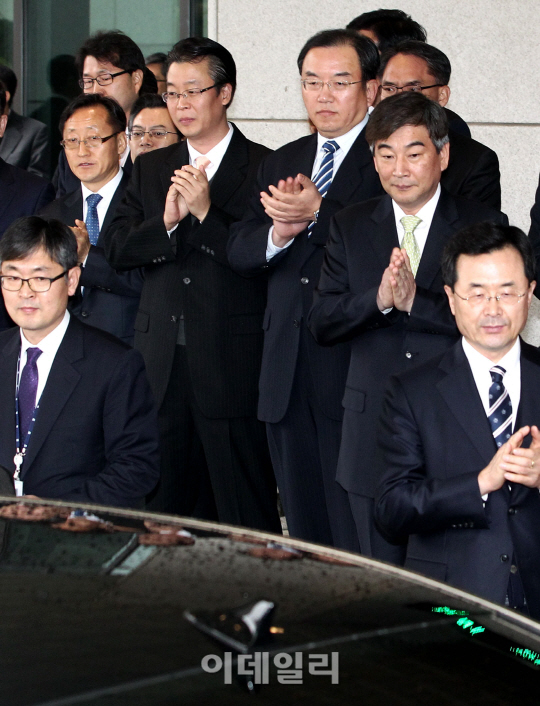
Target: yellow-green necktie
(409, 241)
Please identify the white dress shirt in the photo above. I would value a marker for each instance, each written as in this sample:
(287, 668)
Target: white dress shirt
(106, 192)
(426, 213)
(345, 143)
(480, 367)
(49, 347)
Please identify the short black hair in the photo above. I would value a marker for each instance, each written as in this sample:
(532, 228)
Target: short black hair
(368, 56)
(408, 108)
(9, 79)
(29, 233)
(116, 115)
(221, 65)
(157, 58)
(115, 47)
(481, 239)
(2, 98)
(147, 100)
(390, 27)
(437, 62)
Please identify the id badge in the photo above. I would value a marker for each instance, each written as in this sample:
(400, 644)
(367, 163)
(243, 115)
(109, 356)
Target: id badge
(18, 488)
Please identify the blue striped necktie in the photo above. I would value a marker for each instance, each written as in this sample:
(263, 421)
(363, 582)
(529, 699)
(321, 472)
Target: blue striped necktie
(324, 176)
(92, 220)
(500, 407)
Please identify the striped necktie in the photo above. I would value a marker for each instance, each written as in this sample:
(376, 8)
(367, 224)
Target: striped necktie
(500, 407)
(324, 176)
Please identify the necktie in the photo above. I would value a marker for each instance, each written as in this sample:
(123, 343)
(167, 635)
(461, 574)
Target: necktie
(324, 176)
(92, 220)
(202, 162)
(500, 407)
(409, 241)
(27, 392)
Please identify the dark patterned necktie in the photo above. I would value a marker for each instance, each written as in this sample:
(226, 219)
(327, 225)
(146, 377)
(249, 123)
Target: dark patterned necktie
(92, 220)
(27, 391)
(500, 407)
(324, 176)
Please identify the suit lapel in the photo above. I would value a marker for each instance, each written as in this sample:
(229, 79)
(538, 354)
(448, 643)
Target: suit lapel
(232, 170)
(8, 374)
(12, 137)
(384, 235)
(350, 175)
(62, 380)
(442, 227)
(117, 197)
(460, 393)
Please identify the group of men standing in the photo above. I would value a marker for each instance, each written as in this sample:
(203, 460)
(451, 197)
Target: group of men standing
(274, 295)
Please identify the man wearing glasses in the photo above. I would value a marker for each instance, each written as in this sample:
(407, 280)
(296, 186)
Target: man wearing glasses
(460, 434)
(93, 127)
(110, 64)
(381, 285)
(150, 126)
(199, 324)
(283, 237)
(77, 418)
(473, 170)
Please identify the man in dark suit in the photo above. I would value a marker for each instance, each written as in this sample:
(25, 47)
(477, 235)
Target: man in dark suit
(25, 143)
(534, 236)
(461, 485)
(389, 301)
(111, 64)
(199, 323)
(23, 194)
(473, 170)
(283, 236)
(107, 300)
(78, 420)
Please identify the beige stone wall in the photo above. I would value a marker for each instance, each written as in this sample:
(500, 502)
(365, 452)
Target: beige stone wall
(493, 46)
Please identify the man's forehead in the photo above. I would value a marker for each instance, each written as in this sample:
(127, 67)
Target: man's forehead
(95, 117)
(156, 116)
(99, 65)
(406, 66)
(37, 259)
(188, 71)
(338, 60)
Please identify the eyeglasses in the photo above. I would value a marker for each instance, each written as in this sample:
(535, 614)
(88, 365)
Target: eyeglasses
(312, 84)
(505, 298)
(72, 143)
(152, 134)
(36, 284)
(190, 93)
(408, 88)
(101, 80)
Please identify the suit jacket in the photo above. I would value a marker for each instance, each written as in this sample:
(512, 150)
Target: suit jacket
(95, 437)
(534, 235)
(294, 273)
(64, 181)
(473, 171)
(456, 123)
(188, 274)
(345, 309)
(25, 144)
(436, 438)
(22, 194)
(110, 299)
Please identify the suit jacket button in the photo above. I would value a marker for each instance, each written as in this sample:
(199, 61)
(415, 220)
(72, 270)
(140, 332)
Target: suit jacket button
(305, 280)
(154, 260)
(408, 354)
(84, 314)
(512, 510)
(212, 252)
(504, 557)
(203, 247)
(174, 319)
(186, 280)
(513, 569)
(296, 323)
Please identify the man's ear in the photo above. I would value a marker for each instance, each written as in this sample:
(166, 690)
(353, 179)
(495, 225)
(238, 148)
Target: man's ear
(226, 93)
(121, 141)
(444, 95)
(8, 98)
(137, 79)
(371, 91)
(450, 294)
(73, 276)
(3, 123)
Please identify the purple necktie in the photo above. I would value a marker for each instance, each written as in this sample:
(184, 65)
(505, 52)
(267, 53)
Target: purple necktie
(27, 392)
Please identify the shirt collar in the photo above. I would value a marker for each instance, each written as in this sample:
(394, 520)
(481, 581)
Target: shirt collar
(107, 190)
(426, 212)
(477, 361)
(52, 340)
(216, 154)
(345, 141)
